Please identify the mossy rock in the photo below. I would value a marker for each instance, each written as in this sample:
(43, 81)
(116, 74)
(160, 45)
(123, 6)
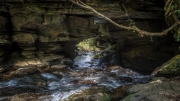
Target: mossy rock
(97, 56)
(170, 68)
(91, 94)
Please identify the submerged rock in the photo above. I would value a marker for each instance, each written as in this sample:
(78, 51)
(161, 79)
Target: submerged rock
(170, 68)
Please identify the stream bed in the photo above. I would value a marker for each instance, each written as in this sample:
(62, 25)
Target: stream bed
(58, 86)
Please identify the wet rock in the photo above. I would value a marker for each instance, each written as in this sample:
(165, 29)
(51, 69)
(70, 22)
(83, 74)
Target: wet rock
(57, 67)
(170, 68)
(51, 77)
(118, 93)
(26, 70)
(67, 61)
(91, 94)
(23, 97)
(159, 89)
(125, 79)
(119, 71)
(84, 82)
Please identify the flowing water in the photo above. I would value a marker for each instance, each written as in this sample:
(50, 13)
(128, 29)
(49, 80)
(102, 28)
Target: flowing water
(84, 74)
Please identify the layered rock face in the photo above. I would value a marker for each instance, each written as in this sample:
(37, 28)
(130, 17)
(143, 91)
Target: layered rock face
(43, 32)
(34, 32)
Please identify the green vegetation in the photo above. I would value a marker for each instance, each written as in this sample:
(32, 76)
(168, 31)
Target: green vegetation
(105, 97)
(87, 45)
(171, 67)
(128, 97)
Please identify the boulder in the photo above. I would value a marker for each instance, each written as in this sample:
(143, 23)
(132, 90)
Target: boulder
(170, 68)
(159, 89)
(91, 94)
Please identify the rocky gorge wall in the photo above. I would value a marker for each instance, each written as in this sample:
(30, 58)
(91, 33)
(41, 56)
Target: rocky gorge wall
(43, 32)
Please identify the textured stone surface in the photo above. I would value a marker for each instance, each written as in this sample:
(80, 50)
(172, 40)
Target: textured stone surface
(91, 94)
(170, 68)
(26, 38)
(159, 89)
(46, 27)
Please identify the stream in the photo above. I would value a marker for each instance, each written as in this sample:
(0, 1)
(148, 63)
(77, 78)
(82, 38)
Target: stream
(85, 73)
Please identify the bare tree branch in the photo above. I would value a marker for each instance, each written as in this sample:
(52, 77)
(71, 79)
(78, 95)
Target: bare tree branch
(133, 28)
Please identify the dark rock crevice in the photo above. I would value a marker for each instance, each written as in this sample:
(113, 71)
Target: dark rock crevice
(36, 29)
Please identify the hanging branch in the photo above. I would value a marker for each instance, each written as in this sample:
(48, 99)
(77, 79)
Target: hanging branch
(133, 28)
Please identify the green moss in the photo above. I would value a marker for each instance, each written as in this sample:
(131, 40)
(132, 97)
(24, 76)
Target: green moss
(87, 45)
(171, 67)
(97, 56)
(105, 97)
(128, 97)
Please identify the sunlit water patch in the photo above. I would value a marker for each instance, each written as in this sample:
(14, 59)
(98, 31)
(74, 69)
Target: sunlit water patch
(86, 60)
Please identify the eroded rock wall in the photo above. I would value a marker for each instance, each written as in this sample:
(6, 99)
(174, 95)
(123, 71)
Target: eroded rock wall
(34, 33)
(46, 30)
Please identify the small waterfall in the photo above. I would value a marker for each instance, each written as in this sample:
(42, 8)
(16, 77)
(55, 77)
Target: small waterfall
(85, 74)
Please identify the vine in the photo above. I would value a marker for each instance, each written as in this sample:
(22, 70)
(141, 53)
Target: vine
(142, 33)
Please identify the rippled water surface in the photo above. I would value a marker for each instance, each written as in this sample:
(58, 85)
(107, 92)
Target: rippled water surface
(84, 74)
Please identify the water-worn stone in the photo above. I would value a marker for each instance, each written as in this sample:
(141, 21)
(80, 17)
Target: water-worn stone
(170, 68)
(23, 97)
(91, 94)
(25, 70)
(119, 71)
(57, 67)
(118, 93)
(157, 90)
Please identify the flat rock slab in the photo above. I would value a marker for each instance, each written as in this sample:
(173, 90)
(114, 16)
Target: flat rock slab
(160, 89)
